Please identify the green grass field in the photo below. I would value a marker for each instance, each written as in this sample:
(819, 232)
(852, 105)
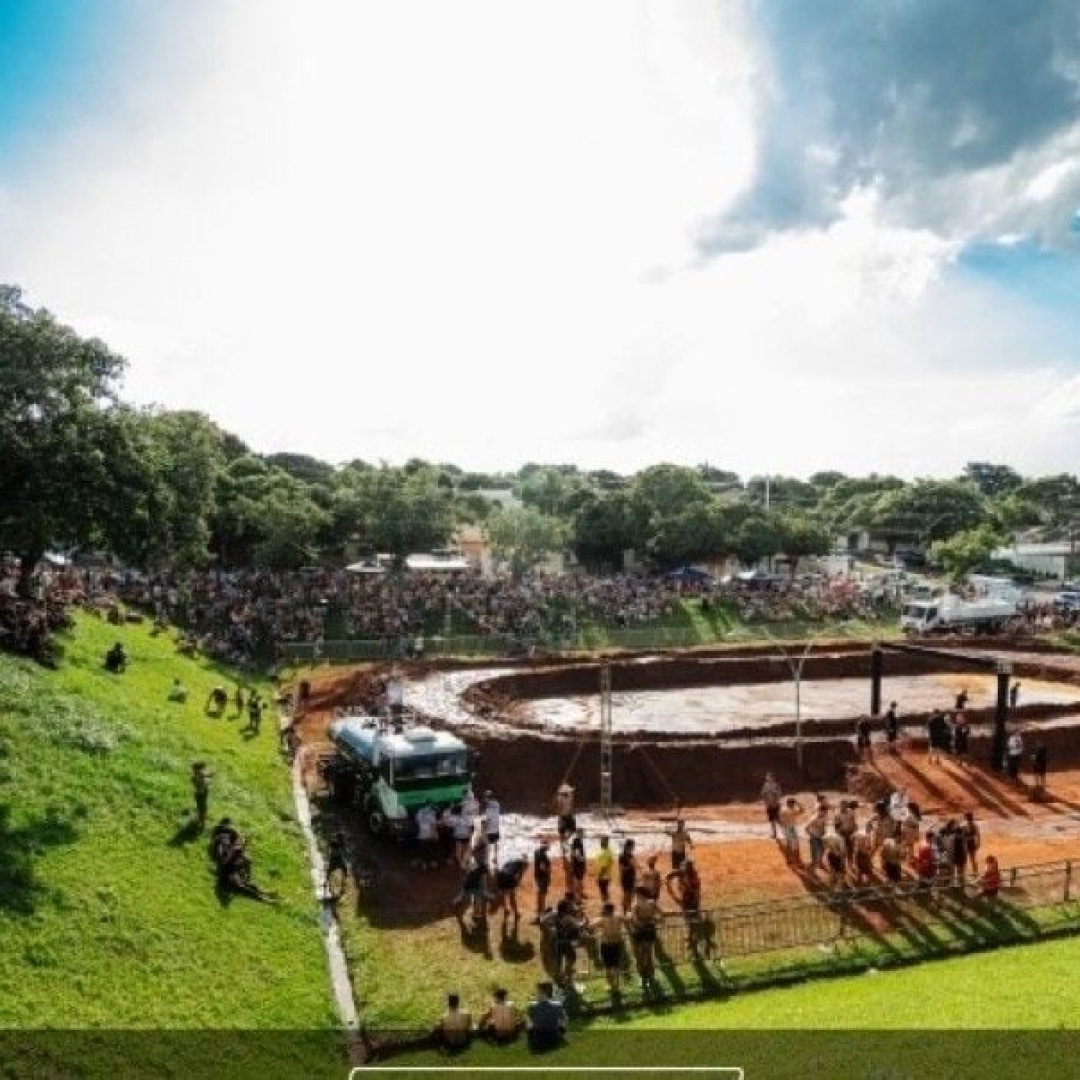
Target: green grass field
(1009, 1013)
(108, 911)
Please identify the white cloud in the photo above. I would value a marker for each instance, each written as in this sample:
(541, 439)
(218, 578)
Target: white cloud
(467, 232)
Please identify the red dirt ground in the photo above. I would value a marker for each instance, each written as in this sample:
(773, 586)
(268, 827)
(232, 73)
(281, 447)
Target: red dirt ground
(747, 865)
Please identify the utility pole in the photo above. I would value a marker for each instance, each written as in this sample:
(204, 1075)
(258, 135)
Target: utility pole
(606, 749)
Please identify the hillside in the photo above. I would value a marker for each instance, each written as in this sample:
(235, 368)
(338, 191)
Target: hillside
(108, 911)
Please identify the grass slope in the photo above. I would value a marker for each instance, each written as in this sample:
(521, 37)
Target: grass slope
(108, 913)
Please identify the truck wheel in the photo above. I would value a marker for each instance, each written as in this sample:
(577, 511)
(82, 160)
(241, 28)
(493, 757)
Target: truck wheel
(376, 822)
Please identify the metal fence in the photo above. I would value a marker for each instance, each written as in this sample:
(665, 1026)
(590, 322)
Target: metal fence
(826, 919)
(492, 645)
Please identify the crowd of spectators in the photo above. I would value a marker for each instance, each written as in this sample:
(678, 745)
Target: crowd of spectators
(812, 598)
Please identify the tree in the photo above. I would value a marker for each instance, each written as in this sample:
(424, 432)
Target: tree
(601, 529)
(965, 551)
(58, 422)
(659, 494)
(992, 480)
(756, 538)
(389, 510)
(554, 490)
(1056, 499)
(265, 517)
(187, 455)
(799, 536)
(523, 536)
(928, 510)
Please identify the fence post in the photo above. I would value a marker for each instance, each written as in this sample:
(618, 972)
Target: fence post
(1068, 879)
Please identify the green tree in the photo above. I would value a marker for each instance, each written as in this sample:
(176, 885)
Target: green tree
(992, 480)
(59, 418)
(187, 456)
(965, 551)
(928, 510)
(523, 536)
(601, 529)
(799, 536)
(391, 510)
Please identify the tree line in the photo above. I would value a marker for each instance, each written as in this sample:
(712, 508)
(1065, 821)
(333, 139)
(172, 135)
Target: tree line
(80, 468)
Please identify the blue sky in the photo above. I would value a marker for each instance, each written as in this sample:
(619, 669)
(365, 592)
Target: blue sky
(55, 62)
(492, 232)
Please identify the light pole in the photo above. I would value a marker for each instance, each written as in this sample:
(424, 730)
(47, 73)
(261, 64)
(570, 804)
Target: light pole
(796, 666)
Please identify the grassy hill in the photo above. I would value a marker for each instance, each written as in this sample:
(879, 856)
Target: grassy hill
(108, 911)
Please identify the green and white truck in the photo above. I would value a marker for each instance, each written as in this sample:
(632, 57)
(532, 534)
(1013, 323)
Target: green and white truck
(400, 768)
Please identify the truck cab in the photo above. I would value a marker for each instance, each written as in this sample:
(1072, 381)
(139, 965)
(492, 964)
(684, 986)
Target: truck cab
(399, 768)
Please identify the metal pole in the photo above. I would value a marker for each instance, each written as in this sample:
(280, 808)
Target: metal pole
(997, 749)
(798, 720)
(606, 753)
(877, 665)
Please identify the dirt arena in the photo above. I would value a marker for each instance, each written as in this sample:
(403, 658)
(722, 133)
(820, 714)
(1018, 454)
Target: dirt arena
(715, 783)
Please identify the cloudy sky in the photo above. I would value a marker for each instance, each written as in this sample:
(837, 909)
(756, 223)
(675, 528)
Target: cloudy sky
(774, 236)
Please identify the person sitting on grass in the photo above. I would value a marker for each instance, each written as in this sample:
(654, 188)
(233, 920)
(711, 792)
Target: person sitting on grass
(455, 1028)
(502, 1022)
(217, 701)
(547, 1020)
(178, 692)
(116, 659)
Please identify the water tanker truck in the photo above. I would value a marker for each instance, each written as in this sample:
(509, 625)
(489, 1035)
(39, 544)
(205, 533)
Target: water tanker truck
(398, 768)
(949, 613)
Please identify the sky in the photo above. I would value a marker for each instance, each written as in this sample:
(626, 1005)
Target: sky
(775, 237)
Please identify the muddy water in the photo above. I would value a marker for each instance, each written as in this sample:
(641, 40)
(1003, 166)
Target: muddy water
(726, 708)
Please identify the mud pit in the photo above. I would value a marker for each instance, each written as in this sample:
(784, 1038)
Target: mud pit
(717, 783)
(699, 729)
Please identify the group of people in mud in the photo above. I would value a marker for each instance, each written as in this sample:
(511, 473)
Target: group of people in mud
(888, 844)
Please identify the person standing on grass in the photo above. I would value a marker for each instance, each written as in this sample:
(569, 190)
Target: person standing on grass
(579, 866)
(609, 932)
(991, 879)
(507, 882)
(652, 881)
(627, 875)
(605, 865)
(200, 784)
(772, 796)
(644, 918)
